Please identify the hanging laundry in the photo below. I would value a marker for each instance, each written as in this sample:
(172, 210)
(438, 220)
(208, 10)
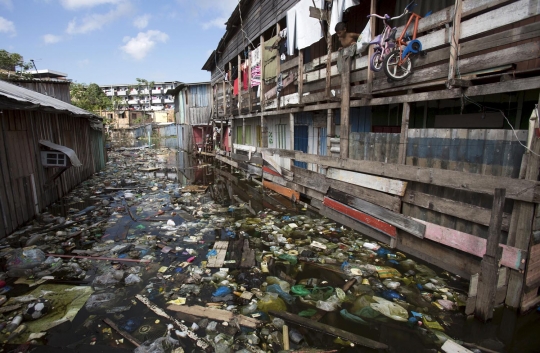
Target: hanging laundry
(291, 31)
(235, 87)
(234, 73)
(308, 29)
(270, 58)
(255, 63)
(338, 8)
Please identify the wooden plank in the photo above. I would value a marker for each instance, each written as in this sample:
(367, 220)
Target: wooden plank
(227, 160)
(354, 224)
(402, 154)
(364, 218)
(390, 202)
(310, 179)
(517, 189)
(396, 219)
(394, 187)
(452, 347)
(487, 284)
(511, 257)
(345, 104)
(289, 193)
(221, 248)
(215, 314)
(329, 330)
(453, 208)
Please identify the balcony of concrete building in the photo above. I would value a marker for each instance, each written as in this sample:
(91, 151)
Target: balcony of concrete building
(157, 90)
(157, 107)
(169, 99)
(133, 91)
(157, 100)
(121, 92)
(133, 101)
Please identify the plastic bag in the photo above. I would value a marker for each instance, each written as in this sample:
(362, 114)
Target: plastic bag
(222, 291)
(25, 259)
(389, 309)
(161, 345)
(348, 316)
(132, 279)
(331, 304)
(364, 38)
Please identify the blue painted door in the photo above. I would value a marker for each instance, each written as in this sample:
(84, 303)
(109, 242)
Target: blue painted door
(301, 142)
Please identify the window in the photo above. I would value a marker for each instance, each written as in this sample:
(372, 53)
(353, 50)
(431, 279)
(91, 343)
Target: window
(281, 136)
(53, 159)
(109, 116)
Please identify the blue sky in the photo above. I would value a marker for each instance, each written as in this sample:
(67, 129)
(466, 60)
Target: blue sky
(116, 41)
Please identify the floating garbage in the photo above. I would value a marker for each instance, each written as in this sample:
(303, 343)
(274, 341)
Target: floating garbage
(146, 252)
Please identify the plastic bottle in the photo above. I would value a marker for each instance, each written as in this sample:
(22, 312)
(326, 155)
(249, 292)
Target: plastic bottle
(283, 284)
(13, 324)
(249, 309)
(275, 288)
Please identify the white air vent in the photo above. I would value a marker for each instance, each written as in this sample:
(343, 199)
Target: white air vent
(53, 159)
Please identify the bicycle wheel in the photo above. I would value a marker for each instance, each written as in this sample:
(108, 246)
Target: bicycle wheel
(393, 70)
(376, 61)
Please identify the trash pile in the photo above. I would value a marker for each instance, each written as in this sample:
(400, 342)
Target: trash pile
(152, 267)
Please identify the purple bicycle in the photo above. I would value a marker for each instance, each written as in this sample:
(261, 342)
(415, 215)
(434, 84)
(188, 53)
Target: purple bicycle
(384, 43)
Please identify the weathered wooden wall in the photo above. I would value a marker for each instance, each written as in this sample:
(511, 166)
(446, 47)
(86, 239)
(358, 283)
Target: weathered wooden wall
(55, 89)
(371, 146)
(23, 180)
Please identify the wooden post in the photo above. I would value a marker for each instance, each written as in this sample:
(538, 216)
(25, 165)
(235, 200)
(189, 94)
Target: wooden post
(454, 42)
(291, 137)
(329, 129)
(328, 55)
(249, 82)
(239, 86)
(300, 75)
(243, 131)
(521, 226)
(263, 100)
(224, 98)
(345, 101)
(404, 133)
(487, 282)
(221, 142)
(278, 69)
(264, 126)
(370, 73)
(233, 132)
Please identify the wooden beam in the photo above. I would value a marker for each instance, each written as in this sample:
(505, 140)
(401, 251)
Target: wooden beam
(310, 179)
(288, 193)
(227, 160)
(511, 257)
(402, 153)
(454, 41)
(370, 72)
(291, 137)
(345, 101)
(396, 219)
(453, 208)
(394, 187)
(525, 190)
(387, 201)
(215, 314)
(239, 69)
(354, 224)
(487, 283)
(364, 218)
(329, 330)
(300, 75)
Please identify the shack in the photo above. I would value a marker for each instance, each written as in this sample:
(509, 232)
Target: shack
(48, 147)
(413, 163)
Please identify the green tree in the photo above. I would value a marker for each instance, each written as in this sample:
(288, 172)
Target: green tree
(91, 98)
(14, 62)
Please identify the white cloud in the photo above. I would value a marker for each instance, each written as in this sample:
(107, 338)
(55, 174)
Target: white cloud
(142, 21)
(216, 22)
(96, 21)
(138, 47)
(7, 4)
(79, 4)
(51, 39)
(218, 11)
(8, 27)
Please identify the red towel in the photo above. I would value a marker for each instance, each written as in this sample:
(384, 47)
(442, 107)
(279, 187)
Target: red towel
(235, 87)
(245, 75)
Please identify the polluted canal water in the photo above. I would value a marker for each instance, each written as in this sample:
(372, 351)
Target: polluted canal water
(161, 252)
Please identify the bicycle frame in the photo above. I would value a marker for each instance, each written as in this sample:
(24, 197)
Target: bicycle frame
(400, 42)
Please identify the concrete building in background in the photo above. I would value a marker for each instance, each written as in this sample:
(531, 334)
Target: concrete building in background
(135, 97)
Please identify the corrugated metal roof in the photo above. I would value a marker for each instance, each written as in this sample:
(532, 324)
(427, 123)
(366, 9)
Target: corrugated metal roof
(22, 98)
